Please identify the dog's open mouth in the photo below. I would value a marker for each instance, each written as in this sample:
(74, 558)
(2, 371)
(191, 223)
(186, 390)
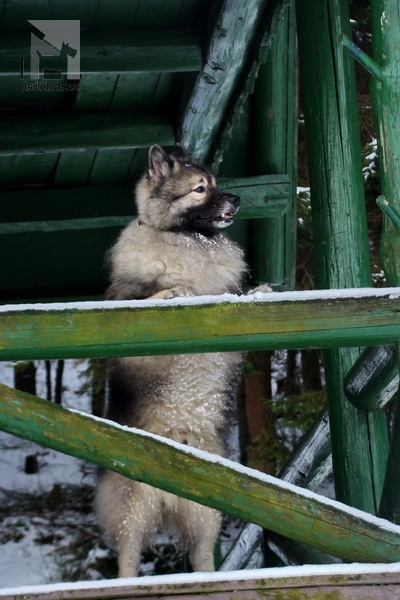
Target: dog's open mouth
(224, 219)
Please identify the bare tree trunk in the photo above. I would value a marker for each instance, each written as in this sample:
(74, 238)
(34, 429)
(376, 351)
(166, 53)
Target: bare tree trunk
(59, 382)
(98, 386)
(25, 380)
(25, 377)
(311, 370)
(291, 386)
(48, 380)
(260, 419)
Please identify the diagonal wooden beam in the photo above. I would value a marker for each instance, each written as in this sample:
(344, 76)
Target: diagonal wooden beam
(202, 477)
(227, 53)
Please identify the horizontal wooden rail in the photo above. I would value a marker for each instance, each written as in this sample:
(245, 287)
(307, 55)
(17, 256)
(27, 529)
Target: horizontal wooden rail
(97, 130)
(202, 477)
(115, 52)
(261, 197)
(324, 319)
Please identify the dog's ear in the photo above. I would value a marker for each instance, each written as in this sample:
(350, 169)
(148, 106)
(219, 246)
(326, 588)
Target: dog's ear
(180, 153)
(159, 163)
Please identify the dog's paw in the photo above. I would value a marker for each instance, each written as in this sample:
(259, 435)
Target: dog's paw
(260, 288)
(178, 292)
(175, 292)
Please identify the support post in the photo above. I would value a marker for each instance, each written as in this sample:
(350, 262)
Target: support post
(275, 151)
(386, 99)
(359, 438)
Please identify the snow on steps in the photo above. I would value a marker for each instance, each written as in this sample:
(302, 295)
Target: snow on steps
(322, 582)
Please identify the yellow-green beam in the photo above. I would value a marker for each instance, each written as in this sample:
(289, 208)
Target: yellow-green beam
(242, 492)
(329, 319)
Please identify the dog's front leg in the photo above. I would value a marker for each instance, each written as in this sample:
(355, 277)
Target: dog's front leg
(264, 287)
(178, 291)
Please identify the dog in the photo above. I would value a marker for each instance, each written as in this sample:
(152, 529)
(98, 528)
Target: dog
(175, 248)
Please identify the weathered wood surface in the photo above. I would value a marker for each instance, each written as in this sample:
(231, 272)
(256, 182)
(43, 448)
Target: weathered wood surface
(386, 98)
(306, 467)
(386, 102)
(275, 140)
(116, 51)
(286, 320)
(374, 378)
(359, 438)
(343, 583)
(264, 196)
(228, 50)
(245, 493)
(88, 130)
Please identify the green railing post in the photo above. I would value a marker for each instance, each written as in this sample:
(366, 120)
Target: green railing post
(275, 151)
(390, 503)
(386, 99)
(359, 437)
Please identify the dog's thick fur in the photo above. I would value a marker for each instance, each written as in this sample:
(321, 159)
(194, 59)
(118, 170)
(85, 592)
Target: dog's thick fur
(174, 248)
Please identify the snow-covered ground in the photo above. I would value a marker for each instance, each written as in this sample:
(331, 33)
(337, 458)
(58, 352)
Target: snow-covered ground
(23, 560)
(54, 466)
(38, 546)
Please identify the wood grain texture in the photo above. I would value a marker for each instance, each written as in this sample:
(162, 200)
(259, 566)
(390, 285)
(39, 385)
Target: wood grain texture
(210, 480)
(266, 586)
(67, 331)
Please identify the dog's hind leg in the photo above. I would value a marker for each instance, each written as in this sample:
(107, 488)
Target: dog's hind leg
(131, 516)
(201, 526)
(129, 552)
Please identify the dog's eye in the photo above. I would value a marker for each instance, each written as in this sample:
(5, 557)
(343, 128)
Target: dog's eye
(200, 190)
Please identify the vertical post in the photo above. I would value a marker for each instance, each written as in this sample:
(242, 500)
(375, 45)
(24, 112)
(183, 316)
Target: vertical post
(386, 99)
(275, 151)
(390, 503)
(359, 438)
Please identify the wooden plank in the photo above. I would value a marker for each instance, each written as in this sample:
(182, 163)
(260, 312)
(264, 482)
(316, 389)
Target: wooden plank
(116, 14)
(96, 91)
(260, 196)
(279, 320)
(342, 582)
(24, 170)
(205, 478)
(117, 51)
(16, 13)
(53, 263)
(77, 162)
(33, 135)
(34, 204)
(134, 90)
(162, 13)
(111, 166)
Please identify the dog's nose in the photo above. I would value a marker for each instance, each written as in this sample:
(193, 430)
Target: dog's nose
(233, 199)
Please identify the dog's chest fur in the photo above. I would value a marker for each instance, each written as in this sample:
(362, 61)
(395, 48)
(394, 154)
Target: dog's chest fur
(164, 259)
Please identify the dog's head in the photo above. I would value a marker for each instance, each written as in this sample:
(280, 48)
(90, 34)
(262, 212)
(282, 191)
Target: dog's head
(176, 193)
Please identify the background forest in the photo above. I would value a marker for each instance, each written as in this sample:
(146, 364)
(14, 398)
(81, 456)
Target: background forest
(48, 529)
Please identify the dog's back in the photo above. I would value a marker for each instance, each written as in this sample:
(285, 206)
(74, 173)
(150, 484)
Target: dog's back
(187, 398)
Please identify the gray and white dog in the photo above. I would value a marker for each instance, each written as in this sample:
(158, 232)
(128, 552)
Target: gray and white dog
(174, 248)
